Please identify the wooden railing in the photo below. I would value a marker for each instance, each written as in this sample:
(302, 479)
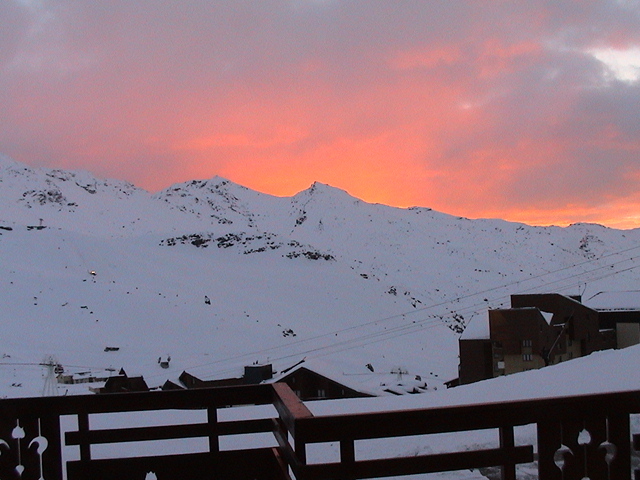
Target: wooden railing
(55, 438)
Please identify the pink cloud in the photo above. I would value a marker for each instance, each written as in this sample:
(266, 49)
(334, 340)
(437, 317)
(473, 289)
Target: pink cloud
(473, 108)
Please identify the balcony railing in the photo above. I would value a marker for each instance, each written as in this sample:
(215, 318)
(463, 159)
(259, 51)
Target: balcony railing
(54, 438)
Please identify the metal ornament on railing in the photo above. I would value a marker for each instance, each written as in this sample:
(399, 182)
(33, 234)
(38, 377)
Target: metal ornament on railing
(18, 434)
(42, 443)
(585, 451)
(13, 451)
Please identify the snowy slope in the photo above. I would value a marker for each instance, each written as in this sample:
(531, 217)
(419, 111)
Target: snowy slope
(79, 202)
(320, 275)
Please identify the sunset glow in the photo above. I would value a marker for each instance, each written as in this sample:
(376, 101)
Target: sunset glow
(527, 111)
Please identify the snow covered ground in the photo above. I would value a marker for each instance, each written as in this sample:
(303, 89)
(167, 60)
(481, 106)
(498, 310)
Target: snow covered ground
(87, 264)
(320, 275)
(600, 372)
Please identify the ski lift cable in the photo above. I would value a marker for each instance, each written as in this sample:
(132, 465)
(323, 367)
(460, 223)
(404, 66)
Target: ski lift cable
(447, 302)
(421, 324)
(459, 298)
(43, 364)
(411, 328)
(536, 277)
(328, 349)
(425, 323)
(376, 337)
(399, 332)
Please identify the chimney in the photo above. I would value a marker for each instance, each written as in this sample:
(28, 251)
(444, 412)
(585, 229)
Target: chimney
(254, 374)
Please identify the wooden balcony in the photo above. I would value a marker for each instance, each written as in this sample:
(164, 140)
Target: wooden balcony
(56, 438)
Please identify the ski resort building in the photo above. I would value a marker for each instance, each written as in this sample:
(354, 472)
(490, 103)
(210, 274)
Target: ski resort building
(317, 380)
(308, 384)
(619, 311)
(305, 382)
(538, 330)
(122, 383)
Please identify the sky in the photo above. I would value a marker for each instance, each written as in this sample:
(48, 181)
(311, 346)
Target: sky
(523, 110)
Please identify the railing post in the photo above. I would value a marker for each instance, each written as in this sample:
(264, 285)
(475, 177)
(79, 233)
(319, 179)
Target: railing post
(214, 441)
(292, 413)
(618, 433)
(507, 444)
(51, 459)
(300, 453)
(83, 429)
(549, 442)
(300, 449)
(348, 457)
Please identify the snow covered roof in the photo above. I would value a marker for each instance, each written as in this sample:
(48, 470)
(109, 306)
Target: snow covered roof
(398, 381)
(547, 316)
(599, 372)
(615, 301)
(477, 329)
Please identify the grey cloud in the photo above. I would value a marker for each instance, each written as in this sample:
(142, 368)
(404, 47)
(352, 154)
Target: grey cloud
(135, 71)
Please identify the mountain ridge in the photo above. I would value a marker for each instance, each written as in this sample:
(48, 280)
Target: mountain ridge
(357, 283)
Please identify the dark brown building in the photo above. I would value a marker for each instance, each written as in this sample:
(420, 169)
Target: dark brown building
(306, 383)
(620, 311)
(310, 385)
(538, 330)
(123, 383)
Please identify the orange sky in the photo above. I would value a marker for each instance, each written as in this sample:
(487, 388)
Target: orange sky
(527, 111)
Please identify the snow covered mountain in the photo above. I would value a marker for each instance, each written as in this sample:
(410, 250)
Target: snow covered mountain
(88, 263)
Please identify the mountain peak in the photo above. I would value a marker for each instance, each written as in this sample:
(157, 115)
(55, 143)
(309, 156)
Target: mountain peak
(7, 163)
(318, 188)
(213, 184)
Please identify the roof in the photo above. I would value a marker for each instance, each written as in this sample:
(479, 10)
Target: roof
(397, 381)
(615, 301)
(477, 329)
(599, 372)
(547, 316)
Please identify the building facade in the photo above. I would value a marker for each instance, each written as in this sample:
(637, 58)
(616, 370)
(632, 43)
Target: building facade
(538, 330)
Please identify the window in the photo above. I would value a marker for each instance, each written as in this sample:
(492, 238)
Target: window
(322, 393)
(569, 342)
(527, 343)
(527, 357)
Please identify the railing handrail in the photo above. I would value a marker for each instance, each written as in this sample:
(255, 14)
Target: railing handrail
(558, 419)
(465, 417)
(194, 399)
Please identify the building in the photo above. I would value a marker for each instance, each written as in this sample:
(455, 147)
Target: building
(619, 311)
(308, 384)
(253, 374)
(538, 330)
(123, 383)
(319, 380)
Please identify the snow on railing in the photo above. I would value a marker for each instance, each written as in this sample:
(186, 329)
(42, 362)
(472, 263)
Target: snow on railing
(62, 437)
